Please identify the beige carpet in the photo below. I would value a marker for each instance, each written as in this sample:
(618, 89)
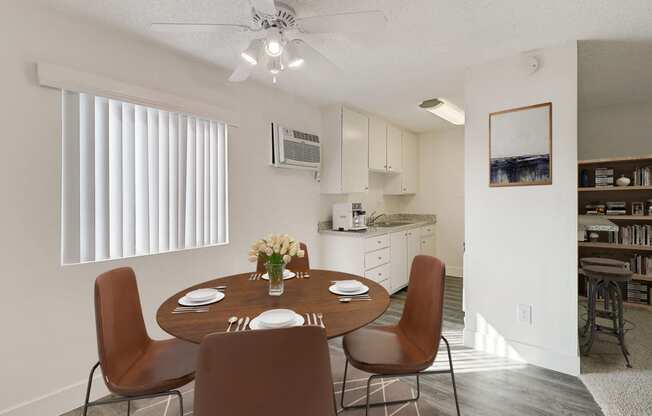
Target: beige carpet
(621, 391)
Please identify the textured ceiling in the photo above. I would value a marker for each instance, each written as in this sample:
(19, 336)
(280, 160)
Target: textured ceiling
(420, 54)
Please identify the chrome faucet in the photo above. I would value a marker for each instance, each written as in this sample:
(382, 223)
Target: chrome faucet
(371, 220)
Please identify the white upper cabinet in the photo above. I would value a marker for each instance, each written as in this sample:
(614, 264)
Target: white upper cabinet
(406, 182)
(394, 149)
(377, 144)
(345, 151)
(410, 163)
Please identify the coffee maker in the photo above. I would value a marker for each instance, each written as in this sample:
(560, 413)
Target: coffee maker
(349, 216)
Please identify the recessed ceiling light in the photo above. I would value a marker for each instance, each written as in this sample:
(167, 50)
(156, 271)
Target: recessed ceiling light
(444, 109)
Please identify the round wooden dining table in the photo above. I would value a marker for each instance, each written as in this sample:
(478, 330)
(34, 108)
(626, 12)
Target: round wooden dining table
(249, 298)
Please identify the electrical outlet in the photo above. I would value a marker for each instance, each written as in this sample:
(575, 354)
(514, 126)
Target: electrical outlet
(525, 313)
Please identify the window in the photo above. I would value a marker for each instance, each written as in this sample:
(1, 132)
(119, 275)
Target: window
(138, 180)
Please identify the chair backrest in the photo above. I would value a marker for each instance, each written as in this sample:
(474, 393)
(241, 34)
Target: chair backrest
(121, 333)
(422, 316)
(272, 372)
(298, 264)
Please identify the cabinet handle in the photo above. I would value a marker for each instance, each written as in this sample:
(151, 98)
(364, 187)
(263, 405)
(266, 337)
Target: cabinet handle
(380, 274)
(366, 188)
(378, 241)
(380, 258)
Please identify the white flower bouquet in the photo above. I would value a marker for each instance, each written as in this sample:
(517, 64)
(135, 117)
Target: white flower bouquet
(275, 249)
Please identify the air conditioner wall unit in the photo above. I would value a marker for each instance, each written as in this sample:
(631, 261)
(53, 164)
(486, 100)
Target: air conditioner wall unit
(295, 149)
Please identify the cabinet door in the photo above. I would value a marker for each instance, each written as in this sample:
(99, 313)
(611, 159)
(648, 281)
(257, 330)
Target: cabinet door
(428, 246)
(394, 149)
(355, 151)
(377, 144)
(410, 179)
(413, 249)
(398, 260)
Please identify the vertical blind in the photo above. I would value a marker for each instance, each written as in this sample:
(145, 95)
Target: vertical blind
(138, 180)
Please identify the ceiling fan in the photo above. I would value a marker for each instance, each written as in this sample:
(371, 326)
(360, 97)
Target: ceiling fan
(283, 42)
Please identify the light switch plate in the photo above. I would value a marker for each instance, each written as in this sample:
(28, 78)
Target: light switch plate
(525, 313)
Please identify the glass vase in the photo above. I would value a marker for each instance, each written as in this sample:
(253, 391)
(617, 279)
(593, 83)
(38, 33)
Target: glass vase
(275, 273)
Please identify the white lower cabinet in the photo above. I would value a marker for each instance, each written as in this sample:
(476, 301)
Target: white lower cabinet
(386, 259)
(398, 269)
(428, 241)
(413, 248)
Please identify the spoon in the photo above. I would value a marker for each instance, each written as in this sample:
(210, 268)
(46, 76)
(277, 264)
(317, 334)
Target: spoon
(347, 300)
(231, 321)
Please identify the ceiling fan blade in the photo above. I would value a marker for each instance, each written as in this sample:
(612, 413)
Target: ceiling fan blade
(241, 72)
(314, 58)
(179, 27)
(354, 22)
(264, 6)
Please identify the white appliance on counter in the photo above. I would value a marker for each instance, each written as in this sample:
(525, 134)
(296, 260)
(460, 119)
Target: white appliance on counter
(295, 149)
(349, 216)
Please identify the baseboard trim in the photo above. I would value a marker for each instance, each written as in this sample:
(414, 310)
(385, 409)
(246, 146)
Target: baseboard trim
(531, 354)
(59, 401)
(454, 271)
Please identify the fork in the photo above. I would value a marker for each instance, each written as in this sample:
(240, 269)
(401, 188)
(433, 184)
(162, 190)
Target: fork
(321, 320)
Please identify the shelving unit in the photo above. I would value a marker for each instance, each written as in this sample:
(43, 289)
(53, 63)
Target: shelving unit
(615, 189)
(612, 246)
(628, 194)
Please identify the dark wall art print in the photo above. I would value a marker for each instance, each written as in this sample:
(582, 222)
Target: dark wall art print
(520, 146)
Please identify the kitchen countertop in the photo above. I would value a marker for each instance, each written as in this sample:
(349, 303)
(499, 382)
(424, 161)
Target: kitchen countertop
(374, 231)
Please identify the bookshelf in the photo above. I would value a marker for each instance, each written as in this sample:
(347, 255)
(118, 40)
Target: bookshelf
(627, 194)
(612, 246)
(615, 189)
(633, 305)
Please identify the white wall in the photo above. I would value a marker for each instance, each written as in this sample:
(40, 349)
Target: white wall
(521, 241)
(441, 191)
(372, 200)
(612, 131)
(46, 316)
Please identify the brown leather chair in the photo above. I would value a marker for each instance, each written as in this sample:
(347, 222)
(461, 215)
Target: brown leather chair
(298, 264)
(272, 372)
(133, 365)
(410, 347)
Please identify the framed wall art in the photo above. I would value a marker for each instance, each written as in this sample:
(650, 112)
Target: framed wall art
(520, 146)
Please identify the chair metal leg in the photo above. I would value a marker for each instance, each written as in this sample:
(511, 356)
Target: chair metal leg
(450, 363)
(368, 403)
(346, 367)
(88, 388)
(88, 403)
(178, 393)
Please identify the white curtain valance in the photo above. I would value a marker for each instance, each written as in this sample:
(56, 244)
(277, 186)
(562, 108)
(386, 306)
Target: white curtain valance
(56, 76)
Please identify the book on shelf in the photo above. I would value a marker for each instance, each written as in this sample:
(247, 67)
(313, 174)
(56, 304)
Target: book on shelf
(635, 235)
(642, 177)
(637, 292)
(604, 177)
(641, 264)
(616, 212)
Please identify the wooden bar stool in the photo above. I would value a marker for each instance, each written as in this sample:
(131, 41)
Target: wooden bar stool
(606, 279)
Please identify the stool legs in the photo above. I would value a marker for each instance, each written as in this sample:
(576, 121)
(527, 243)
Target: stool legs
(614, 311)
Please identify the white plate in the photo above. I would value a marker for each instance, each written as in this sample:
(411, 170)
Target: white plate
(255, 323)
(348, 286)
(201, 295)
(362, 291)
(276, 318)
(286, 275)
(184, 301)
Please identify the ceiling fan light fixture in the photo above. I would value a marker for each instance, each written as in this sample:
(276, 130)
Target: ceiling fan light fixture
(274, 43)
(444, 109)
(274, 66)
(294, 58)
(250, 55)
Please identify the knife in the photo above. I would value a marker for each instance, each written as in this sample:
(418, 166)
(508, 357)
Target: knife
(246, 322)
